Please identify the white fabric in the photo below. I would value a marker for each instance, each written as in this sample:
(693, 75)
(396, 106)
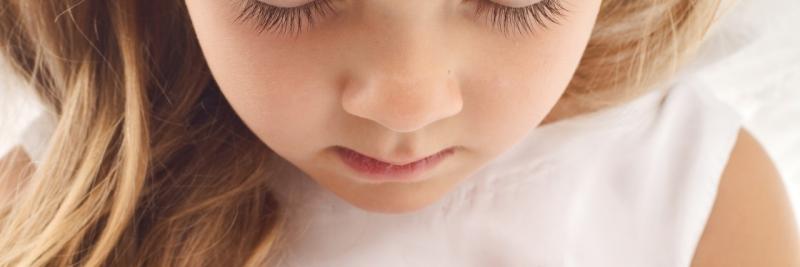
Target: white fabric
(627, 186)
(35, 137)
(753, 64)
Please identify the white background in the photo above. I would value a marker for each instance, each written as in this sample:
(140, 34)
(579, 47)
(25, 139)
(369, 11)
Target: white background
(752, 59)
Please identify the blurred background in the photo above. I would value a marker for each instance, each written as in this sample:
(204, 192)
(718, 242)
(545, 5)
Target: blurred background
(751, 60)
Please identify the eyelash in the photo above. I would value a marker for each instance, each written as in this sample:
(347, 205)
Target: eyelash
(293, 20)
(521, 20)
(288, 20)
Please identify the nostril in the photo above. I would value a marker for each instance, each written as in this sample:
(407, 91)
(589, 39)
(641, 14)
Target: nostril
(404, 114)
(403, 104)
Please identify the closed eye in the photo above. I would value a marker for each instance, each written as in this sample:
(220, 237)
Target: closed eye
(294, 20)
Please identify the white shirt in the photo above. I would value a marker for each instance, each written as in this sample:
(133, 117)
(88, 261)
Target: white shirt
(631, 185)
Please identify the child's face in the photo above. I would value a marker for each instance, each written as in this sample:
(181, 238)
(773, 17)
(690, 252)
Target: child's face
(393, 79)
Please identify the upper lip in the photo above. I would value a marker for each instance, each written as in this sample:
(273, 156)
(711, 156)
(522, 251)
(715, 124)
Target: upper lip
(401, 161)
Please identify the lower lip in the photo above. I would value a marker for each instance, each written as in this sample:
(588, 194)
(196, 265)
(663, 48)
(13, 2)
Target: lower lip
(377, 171)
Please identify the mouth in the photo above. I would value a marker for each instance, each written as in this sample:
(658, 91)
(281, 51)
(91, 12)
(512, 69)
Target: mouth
(376, 170)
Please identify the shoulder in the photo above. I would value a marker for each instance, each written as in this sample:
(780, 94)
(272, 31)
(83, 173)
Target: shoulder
(14, 167)
(751, 223)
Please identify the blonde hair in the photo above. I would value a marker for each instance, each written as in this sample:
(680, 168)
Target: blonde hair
(149, 165)
(635, 46)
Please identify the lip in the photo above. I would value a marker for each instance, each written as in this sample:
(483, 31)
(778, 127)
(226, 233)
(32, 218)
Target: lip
(376, 170)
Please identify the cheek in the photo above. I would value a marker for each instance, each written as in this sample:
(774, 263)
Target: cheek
(522, 84)
(501, 111)
(286, 113)
(273, 87)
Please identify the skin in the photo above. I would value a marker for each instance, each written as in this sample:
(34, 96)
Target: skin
(751, 223)
(394, 80)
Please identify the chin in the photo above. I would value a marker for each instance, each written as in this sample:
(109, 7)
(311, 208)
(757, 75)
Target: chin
(392, 208)
(396, 201)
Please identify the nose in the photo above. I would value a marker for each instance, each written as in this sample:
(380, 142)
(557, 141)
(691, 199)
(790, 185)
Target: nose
(404, 103)
(406, 82)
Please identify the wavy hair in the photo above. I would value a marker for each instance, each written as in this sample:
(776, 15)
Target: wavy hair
(148, 164)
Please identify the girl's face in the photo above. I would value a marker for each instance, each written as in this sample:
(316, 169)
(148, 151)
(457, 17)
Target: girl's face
(396, 80)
